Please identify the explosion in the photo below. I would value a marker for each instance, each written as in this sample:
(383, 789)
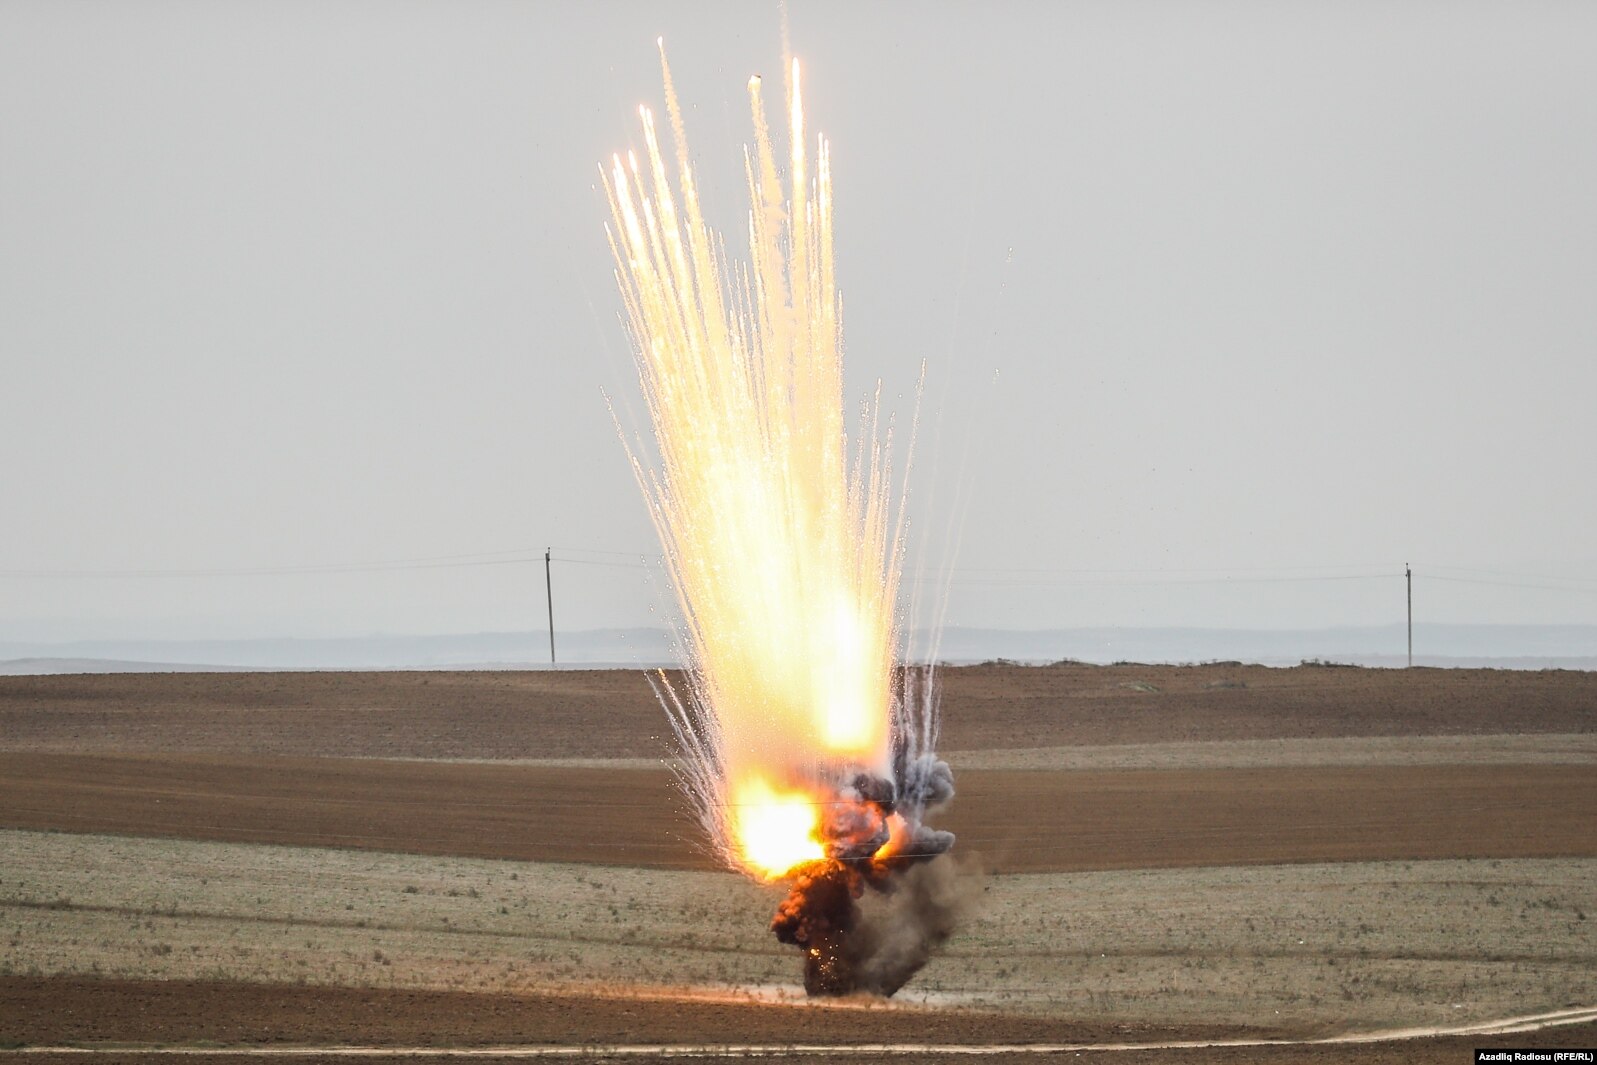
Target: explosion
(808, 748)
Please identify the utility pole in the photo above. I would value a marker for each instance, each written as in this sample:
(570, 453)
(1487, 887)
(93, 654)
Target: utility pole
(549, 590)
(1408, 577)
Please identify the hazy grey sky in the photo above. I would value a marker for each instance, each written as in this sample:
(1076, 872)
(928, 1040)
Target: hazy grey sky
(1206, 290)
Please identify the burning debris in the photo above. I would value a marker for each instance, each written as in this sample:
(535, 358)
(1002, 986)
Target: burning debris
(870, 845)
(808, 748)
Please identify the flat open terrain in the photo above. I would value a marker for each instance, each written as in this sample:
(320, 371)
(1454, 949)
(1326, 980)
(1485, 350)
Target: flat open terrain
(1306, 948)
(1017, 820)
(173, 1011)
(613, 714)
(156, 1011)
(453, 859)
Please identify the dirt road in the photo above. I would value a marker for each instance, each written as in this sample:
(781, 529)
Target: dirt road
(225, 1022)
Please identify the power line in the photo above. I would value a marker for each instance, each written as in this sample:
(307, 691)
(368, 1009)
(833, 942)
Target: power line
(1511, 584)
(1561, 579)
(605, 565)
(518, 557)
(1194, 570)
(596, 551)
(264, 571)
(966, 577)
(1000, 582)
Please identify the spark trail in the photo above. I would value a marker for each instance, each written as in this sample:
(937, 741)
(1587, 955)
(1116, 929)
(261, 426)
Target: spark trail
(808, 747)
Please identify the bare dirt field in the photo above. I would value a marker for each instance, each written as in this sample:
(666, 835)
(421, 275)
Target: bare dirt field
(162, 1011)
(1424, 1051)
(1310, 949)
(1018, 820)
(1199, 850)
(613, 714)
(170, 1011)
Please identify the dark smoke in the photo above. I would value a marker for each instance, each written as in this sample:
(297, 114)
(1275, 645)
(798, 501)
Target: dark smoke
(876, 946)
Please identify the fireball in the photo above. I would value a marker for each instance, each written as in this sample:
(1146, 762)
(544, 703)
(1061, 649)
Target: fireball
(782, 547)
(775, 831)
(807, 756)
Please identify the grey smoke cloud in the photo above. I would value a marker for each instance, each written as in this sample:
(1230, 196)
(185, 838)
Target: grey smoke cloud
(868, 922)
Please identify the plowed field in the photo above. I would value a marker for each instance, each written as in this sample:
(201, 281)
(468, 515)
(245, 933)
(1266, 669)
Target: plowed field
(613, 714)
(1019, 820)
(456, 765)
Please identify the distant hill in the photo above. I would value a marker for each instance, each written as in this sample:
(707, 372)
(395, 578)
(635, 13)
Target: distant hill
(1499, 646)
(1507, 646)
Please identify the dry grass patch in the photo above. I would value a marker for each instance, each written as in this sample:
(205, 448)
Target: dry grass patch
(1308, 947)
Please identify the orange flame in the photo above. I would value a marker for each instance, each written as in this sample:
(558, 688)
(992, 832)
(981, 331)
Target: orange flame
(775, 831)
(781, 537)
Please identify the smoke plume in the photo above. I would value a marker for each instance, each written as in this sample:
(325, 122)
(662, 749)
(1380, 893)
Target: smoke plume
(869, 915)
